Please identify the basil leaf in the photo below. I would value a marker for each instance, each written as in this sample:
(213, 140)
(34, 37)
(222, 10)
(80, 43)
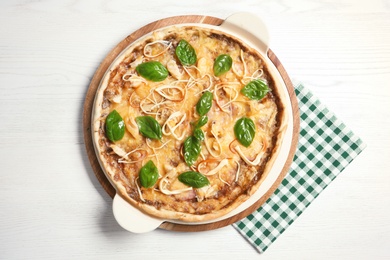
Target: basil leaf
(222, 64)
(152, 70)
(115, 126)
(204, 104)
(255, 90)
(192, 148)
(148, 174)
(149, 127)
(193, 179)
(245, 130)
(202, 121)
(186, 53)
(198, 134)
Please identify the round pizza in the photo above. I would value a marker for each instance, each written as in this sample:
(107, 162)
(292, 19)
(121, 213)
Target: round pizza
(188, 122)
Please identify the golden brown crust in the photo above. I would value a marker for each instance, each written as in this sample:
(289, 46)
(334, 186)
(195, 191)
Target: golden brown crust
(227, 192)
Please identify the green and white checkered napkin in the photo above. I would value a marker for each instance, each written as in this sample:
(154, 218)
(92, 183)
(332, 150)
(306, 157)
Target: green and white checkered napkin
(326, 146)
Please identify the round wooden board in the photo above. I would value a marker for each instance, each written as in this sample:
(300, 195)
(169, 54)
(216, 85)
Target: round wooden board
(90, 96)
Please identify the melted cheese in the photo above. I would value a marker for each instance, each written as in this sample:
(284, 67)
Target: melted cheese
(172, 102)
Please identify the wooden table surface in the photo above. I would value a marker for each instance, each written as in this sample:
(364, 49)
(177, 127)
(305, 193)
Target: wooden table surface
(53, 207)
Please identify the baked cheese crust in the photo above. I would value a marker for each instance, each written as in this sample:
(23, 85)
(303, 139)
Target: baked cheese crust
(234, 171)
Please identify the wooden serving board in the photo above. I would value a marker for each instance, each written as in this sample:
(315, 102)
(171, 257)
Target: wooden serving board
(89, 100)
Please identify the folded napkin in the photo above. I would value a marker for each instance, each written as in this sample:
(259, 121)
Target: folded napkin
(326, 146)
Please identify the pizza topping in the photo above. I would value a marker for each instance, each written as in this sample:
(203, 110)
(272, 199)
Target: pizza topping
(193, 179)
(172, 123)
(134, 79)
(151, 103)
(163, 187)
(118, 150)
(134, 156)
(205, 192)
(186, 53)
(134, 100)
(258, 157)
(201, 122)
(163, 113)
(212, 166)
(169, 184)
(207, 84)
(153, 71)
(255, 90)
(192, 78)
(243, 69)
(149, 141)
(139, 190)
(115, 126)
(225, 93)
(131, 127)
(222, 64)
(114, 94)
(255, 162)
(213, 145)
(238, 171)
(204, 64)
(192, 145)
(204, 104)
(171, 92)
(137, 62)
(245, 131)
(148, 174)
(153, 47)
(212, 163)
(149, 127)
(256, 75)
(173, 68)
(192, 148)
(198, 134)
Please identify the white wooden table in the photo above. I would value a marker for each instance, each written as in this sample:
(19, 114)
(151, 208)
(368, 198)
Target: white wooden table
(52, 206)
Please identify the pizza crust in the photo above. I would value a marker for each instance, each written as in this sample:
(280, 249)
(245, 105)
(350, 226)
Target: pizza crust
(115, 174)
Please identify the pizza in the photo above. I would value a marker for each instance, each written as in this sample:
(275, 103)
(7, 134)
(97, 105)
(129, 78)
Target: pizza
(188, 122)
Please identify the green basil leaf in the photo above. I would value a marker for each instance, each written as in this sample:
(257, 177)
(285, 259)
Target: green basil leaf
(255, 90)
(115, 126)
(152, 70)
(192, 148)
(202, 121)
(186, 53)
(149, 127)
(198, 134)
(193, 179)
(148, 174)
(222, 64)
(204, 104)
(245, 130)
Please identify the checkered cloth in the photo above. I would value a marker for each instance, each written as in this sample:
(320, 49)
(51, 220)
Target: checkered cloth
(326, 146)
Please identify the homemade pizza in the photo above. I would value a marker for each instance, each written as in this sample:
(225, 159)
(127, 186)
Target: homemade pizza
(188, 122)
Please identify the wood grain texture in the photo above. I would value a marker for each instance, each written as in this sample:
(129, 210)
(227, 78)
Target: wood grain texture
(89, 100)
